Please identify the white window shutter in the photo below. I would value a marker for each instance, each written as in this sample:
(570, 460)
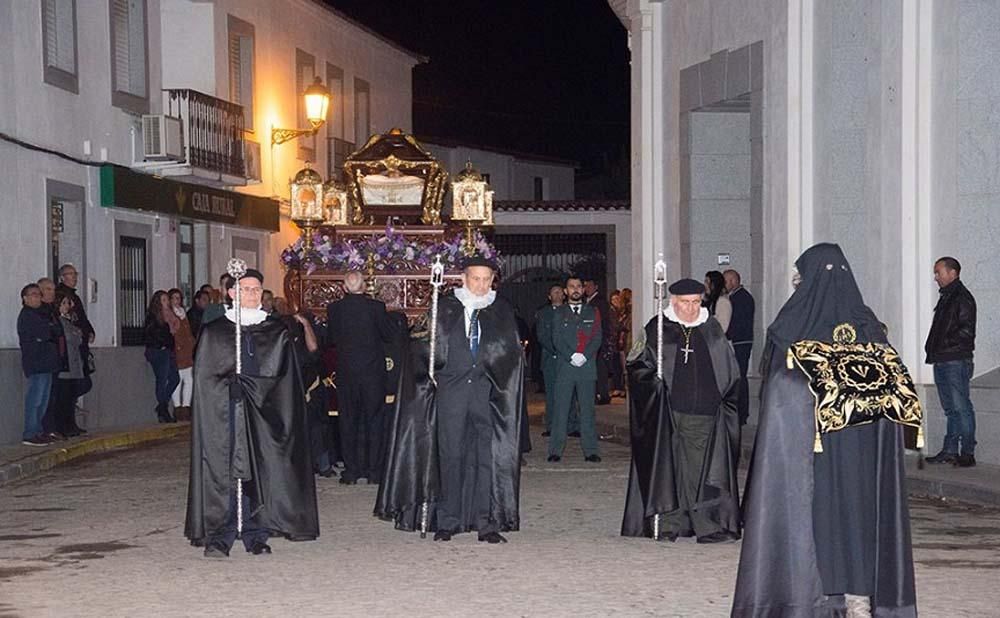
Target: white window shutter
(60, 34)
(120, 19)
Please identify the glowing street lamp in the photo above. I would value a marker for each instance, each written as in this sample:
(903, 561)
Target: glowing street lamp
(317, 100)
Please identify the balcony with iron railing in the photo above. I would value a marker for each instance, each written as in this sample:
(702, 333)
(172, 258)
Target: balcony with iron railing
(212, 145)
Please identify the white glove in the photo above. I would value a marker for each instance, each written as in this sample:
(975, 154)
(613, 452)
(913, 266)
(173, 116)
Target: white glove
(577, 360)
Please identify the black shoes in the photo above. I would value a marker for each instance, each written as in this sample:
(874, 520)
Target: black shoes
(593, 458)
(259, 547)
(347, 481)
(554, 458)
(942, 457)
(574, 434)
(216, 549)
(546, 434)
(328, 473)
(163, 414)
(965, 461)
(492, 538)
(442, 535)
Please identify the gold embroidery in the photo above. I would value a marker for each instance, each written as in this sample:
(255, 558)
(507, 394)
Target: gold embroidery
(856, 383)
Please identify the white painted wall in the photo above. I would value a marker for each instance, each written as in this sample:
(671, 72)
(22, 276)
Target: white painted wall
(511, 177)
(558, 180)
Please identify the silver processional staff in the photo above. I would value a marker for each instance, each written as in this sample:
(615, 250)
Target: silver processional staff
(237, 268)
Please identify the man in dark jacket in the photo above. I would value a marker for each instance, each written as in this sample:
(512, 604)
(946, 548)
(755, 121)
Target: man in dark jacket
(67, 282)
(358, 326)
(740, 333)
(599, 302)
(950, 345)
(38, 337)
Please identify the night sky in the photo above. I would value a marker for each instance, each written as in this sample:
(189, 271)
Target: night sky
(546, 77)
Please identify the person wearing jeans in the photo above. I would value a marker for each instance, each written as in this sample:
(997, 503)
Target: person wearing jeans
(160, 354)
(38, 339)
(950, 347)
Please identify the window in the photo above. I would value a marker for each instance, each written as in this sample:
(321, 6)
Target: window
(185, 260)
(132, 286)
(337, 152)
(66, 228)
(362, 111)
(539, 188)
(241, 67)
(59, 44)
(335, 113)
(305, 73)
(129, 86)
(486, 178)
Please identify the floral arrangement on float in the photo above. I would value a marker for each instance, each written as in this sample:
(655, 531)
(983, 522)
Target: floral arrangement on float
(391, 253)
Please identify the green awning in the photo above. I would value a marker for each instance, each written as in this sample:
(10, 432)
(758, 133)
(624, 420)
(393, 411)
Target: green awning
(122, 187)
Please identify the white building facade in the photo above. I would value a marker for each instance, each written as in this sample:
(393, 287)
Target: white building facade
(760, 128)
(80, 187)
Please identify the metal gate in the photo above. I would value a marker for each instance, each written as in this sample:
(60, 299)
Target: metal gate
(132, 286)
(535, 262)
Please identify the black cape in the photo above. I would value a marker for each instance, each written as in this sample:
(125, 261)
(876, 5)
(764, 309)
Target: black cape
(412, 465)
(651, 486)
(271, 444)
(818, 525)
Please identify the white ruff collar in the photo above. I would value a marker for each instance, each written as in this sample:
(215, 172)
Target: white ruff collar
(248, 317)
(702, 317)
(473, 302)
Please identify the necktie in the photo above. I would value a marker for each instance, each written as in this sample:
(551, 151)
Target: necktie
(474, 332)
(576, 309)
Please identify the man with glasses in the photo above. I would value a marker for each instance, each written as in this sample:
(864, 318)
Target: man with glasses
(249, 427)
(68, 279)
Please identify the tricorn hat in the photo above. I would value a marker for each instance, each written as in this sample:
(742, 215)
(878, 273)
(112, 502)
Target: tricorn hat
(251, 272)
(479, 260)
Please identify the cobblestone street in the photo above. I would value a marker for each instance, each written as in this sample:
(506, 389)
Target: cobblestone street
(104, 537)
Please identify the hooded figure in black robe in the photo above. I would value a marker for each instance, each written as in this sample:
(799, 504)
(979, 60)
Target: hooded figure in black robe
(455, 446)
(825, 533)
(251, 426)
(685, 431)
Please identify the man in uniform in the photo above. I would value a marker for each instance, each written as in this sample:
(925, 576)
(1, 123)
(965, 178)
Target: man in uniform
(455, 439)
(249, 427)
(576, 339)
(684, 428)
(544, 318)
(598, 301)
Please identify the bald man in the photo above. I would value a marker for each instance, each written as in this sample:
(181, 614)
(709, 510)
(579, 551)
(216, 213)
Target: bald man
(357, 326)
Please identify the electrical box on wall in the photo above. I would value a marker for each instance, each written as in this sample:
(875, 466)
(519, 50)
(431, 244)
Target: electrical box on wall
(724, 259)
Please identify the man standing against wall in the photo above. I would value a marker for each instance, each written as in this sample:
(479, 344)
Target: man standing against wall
(576, 338)
(740, 333)
(68, 277)
(950, 345)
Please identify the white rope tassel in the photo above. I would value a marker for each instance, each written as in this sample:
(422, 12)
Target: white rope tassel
(237, 268)
(660, 289)
(437, 280)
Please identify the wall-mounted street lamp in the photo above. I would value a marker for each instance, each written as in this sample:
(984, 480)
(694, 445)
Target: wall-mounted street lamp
(317, 103)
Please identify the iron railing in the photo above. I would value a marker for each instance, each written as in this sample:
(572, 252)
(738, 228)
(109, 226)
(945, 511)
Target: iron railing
(213, 130)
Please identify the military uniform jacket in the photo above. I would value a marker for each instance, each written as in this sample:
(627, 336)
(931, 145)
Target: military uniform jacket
(573, 333)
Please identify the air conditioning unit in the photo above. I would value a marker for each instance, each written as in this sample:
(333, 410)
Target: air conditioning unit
(251, 158)
(162, 138)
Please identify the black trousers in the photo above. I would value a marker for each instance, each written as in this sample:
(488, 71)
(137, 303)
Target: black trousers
(362, 430)
(603, 371)
(62, 405)
(465, 449)
(743, 360)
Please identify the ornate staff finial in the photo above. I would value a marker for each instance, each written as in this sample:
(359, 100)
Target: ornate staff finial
(236, 268)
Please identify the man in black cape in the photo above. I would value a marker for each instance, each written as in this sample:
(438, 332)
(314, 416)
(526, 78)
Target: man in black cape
(454, 446)
(826, 534)
(250, 427)
(684, 428)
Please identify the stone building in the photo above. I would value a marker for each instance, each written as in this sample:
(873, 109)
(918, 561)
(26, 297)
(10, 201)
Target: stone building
(761, 127)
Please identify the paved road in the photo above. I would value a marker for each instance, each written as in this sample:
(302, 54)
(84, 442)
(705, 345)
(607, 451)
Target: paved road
(105, 538)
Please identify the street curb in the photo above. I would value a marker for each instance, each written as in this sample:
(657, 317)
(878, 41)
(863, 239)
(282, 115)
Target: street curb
(54, 456)
(915, 485)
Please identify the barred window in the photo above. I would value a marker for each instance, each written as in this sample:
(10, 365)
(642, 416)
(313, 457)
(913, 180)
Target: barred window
(132, 287)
